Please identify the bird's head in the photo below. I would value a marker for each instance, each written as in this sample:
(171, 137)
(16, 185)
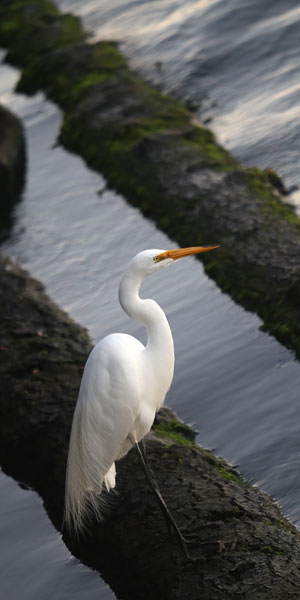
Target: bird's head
(150, 261)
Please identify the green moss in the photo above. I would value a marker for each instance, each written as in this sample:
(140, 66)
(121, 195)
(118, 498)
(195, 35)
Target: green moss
(288, 333)
(225, 472)
(165, 455)
(8, 29)
(281, 523)
(273, 550)
(68, 93)
(178, 432)
(276, 180)
(210, 458)
(284, 210)
(89, 80)
(35, 27)
(177, 438)
(203, 140)
(108, 57)
(117, 153)
(263, 186)
(230, 476)
(16, 17)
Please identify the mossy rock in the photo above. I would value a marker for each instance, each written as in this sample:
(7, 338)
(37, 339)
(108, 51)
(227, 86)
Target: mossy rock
(32, 28)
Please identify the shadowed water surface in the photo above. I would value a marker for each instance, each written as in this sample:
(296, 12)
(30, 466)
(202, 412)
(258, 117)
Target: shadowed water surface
(34, 561)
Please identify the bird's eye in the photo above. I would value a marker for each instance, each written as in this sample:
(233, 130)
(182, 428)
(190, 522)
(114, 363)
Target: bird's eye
(156, 258)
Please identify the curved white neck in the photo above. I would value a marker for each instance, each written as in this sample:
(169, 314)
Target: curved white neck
(160, 341)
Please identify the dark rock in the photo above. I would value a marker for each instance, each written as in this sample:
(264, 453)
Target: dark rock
(12, 165)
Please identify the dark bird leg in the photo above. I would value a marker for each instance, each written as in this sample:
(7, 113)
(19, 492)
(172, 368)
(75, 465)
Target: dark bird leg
(141, 450)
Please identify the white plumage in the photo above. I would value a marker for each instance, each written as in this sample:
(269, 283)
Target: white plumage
(123, 385)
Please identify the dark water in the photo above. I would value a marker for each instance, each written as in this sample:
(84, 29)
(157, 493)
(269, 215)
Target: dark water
(34, 562)
(236, 384)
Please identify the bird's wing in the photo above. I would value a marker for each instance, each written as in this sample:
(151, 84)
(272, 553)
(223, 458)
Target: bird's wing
(107, 406)
(108, 402)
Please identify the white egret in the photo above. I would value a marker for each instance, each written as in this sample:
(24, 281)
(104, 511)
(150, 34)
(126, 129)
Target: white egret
(123, 386)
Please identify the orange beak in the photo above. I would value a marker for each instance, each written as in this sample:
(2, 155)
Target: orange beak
(181, 252)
